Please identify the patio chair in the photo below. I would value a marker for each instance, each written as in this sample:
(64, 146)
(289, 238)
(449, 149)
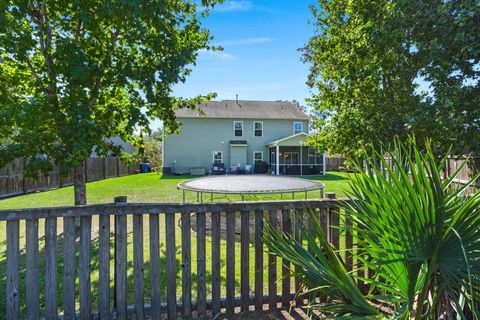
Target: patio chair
(218, 168)
(248, 169)
(233, 169)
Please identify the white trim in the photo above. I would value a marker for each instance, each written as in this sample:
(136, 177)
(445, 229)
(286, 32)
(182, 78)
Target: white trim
(234, 128)
(254, 152)
(213, 156)
(277, 156)
(301, 130)
(163, 147)
(324, 164)
(254, 122)
(301, 160)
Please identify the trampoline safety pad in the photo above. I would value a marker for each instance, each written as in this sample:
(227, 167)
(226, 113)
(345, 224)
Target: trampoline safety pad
(249, 184)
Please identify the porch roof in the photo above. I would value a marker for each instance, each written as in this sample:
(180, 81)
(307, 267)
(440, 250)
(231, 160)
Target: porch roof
(291, 141)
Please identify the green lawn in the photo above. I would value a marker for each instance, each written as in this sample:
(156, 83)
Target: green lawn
(149, 187)
(139, 188)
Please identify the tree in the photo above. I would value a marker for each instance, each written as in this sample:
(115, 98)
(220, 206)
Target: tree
(73, 73)
(393, 68)
(152, 149)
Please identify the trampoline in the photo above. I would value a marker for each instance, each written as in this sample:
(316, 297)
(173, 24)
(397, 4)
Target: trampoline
(248, 185)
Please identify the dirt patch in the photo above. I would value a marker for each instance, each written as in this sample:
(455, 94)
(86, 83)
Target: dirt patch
(293, 314)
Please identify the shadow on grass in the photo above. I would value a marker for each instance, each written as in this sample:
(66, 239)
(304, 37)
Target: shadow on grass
(94, 264)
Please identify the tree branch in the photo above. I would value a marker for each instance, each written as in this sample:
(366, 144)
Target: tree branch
(98, 80)
(37, 77)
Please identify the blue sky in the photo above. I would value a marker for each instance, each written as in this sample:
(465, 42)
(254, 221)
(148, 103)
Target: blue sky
(260, 60)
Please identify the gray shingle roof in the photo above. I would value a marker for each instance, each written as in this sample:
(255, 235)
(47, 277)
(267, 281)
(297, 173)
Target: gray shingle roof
(245, 110)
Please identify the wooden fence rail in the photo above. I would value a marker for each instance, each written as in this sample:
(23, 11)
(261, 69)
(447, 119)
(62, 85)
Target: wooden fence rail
(136, 260)
(13, 182)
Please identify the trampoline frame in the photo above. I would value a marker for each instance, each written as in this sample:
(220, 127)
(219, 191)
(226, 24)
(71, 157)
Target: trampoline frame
(181, 186)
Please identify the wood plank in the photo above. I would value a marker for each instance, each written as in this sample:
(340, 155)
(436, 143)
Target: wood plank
(138, 268)
(32, 294)
(186, 266)
(334, 222)
(215, 225)
(201, 267)
(171, 267)
(155, 301)
(258, 260)
(13, 270)
(69, 268)
(348, 243)
(298, 219)
(334, 227)
(84, 268)
(244, 258)
(51, 268)
(121, 267)
(272, 267)
(287, 229)
(230, 303)
(104, 267)
(325, 222)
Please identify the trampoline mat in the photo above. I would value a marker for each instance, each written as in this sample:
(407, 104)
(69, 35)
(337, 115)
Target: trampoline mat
(249, 184)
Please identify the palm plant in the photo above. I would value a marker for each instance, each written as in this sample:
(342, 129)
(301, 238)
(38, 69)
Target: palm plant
(420, 236)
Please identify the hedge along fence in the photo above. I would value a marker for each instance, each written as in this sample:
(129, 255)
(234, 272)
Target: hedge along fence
(13, 182)
(144, 259)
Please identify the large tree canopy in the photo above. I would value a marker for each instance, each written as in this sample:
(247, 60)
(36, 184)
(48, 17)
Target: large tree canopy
(73, 73)
(392, 68)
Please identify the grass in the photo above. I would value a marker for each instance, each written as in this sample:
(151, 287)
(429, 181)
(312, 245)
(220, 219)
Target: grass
(139, 188)
(149, 187)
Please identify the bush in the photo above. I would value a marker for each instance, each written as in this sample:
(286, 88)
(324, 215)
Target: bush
(420, 236)
(260, 167)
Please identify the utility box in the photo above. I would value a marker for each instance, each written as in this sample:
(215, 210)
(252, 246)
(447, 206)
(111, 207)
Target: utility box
(198, 171)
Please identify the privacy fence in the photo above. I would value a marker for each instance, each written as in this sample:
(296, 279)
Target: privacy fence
(13, 181)
(153, 260)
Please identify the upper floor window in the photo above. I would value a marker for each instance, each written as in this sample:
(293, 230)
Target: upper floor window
(217, 157)
(258, 129)
(238, 128)
(297, 127)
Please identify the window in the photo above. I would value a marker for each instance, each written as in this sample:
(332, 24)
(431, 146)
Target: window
(217, 157)
(257, 129)
(238, 128)
(297, 127)
(257, 156)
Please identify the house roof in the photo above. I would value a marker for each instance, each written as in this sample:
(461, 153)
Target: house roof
(244, 109)
(293, 140)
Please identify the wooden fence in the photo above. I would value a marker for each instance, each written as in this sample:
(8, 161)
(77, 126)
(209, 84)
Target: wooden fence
(13, 182)
(335, 164)
(110, 272)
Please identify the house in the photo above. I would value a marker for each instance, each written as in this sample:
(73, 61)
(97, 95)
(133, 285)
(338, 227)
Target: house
(240, 134)
(125, 146)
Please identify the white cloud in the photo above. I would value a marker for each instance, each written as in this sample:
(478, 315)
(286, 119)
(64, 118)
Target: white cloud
(243, 42)
(234, 5)
(220, 55)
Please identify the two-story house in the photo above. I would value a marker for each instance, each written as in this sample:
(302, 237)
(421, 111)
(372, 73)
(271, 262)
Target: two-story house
(241, 134)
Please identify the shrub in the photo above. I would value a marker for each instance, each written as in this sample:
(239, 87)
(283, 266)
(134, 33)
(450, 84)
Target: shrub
(421, 241)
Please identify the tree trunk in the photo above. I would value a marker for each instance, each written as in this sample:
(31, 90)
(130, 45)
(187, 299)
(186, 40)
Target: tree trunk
(79, 185)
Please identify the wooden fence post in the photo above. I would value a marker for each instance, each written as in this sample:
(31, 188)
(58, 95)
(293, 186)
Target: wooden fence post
(24, 184)
(334, 222)
(120, 257)
(118, 167)
(104, 168)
